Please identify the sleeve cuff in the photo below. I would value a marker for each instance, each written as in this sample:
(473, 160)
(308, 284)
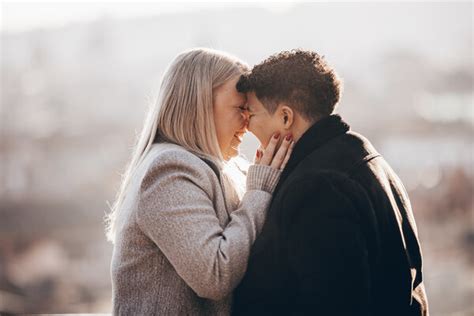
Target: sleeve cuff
(264, 178)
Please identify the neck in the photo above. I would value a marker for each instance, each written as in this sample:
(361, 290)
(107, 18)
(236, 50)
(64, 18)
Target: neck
(299, 127)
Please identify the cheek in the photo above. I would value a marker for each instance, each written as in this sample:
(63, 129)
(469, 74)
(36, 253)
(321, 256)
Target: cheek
(226, 125)
(230, 126)
(257, 127)
(222, 132)
(263, 129)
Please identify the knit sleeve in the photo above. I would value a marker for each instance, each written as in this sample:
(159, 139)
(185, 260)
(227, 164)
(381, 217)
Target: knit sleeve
(176, 211)
(260, 177)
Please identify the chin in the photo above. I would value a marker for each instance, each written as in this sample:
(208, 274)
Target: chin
(231, 153)
(264, 142)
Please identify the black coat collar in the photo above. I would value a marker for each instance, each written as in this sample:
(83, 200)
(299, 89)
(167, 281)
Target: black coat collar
(317, 135)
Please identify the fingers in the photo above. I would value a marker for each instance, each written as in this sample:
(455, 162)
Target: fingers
(281, 154)
(270, 150)
(279, 159)
(258, 156)
(288, 155)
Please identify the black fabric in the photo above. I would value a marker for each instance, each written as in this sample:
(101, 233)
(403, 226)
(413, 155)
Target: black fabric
(339, 239)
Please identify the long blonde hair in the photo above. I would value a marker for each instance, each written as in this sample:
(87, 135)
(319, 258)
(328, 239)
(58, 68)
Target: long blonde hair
(183, 114)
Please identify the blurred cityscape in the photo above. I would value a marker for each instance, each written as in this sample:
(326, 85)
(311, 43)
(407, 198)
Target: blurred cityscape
(73, 99)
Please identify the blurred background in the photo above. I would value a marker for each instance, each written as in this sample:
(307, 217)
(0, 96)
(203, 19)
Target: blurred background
(77, 78)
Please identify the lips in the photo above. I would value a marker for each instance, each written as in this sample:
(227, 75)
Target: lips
(239, 136)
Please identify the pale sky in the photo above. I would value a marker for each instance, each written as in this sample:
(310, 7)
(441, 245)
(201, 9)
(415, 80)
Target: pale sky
(23, 16)
(28, 15)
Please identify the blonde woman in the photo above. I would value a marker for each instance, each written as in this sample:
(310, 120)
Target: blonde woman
(184, 220)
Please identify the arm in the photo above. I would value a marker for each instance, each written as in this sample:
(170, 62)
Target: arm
(176, 211)
(326, 249)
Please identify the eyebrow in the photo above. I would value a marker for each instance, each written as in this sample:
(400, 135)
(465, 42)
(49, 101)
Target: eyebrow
(238, 104)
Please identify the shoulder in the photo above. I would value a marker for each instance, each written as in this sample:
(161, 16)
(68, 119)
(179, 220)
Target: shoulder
(170, 161)
(313, 181)
(166, 153)
(327, 192)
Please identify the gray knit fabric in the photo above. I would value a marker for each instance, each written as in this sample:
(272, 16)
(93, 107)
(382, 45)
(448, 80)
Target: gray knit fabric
(182, 244)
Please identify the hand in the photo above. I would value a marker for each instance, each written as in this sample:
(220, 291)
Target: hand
(277, 160)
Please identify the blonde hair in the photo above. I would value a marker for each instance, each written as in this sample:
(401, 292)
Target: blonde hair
(183, 114)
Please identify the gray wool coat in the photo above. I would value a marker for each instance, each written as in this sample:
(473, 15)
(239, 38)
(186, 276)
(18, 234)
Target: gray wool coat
(182, 243)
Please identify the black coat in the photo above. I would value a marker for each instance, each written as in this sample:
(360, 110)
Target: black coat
(340, 237)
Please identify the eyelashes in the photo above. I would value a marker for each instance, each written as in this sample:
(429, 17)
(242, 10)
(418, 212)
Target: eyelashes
(243, 108)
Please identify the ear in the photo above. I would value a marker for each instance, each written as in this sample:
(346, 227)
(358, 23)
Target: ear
(287, 115)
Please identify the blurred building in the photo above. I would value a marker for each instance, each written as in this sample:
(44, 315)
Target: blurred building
(73, 99)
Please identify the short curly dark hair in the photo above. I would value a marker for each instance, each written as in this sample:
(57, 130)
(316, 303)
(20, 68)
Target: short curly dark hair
(300, 78)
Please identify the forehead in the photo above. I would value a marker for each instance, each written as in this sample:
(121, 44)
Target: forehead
(228, 91)
(253, 101)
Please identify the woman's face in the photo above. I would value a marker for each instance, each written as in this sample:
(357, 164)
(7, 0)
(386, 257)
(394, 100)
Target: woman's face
(261, 123)
(230, 117)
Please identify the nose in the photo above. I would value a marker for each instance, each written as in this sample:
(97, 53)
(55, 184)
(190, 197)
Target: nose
(244, 127)
(246, 119)
(246, 114)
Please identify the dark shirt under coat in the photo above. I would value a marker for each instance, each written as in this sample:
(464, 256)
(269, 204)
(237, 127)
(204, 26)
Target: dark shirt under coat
(340, 236)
